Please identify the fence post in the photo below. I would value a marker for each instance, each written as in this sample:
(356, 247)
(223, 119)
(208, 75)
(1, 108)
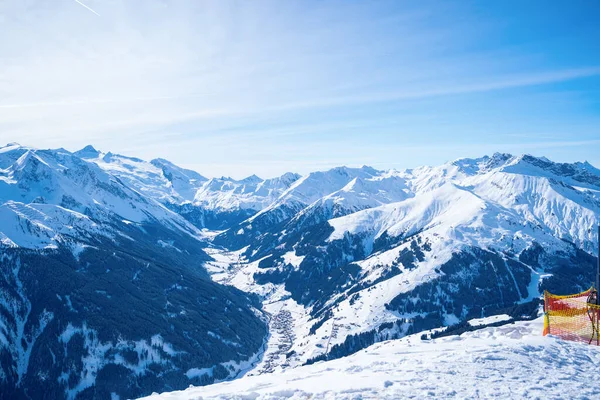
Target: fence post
(546, 319)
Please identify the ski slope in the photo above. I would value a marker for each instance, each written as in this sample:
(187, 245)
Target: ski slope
(510, 361)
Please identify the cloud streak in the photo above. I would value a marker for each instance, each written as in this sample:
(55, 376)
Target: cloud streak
(89, 8)
(219, 82)
(500, 83)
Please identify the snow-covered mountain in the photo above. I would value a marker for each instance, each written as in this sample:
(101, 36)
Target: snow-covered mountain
(335, 261)
(223, 202)
(410, 250)
(102, 287)
(321, 196)
(251, 193)
(159, 179)
(53, 196)
(213, 203)
(510, 361)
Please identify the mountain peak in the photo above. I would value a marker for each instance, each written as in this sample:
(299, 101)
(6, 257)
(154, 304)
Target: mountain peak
(88, 152)
(290, 177)
(579, 173)
(172, 171)
(588, 167)
(160, 162)
(540, 162)
(10, 147)
(485, 163)
(369, 169)
(252, 179)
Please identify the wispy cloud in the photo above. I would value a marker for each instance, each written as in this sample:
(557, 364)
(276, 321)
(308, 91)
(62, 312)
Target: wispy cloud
(495, 84)
(93, 102)
(89, 8)
(273, 83)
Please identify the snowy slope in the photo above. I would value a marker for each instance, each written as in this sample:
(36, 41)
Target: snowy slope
(216, 203)
(317, 197)
(37, 226)
(52, 196)
(494, 202)
(396, 252)
(359, 194)
(340, 259)
(159, 179)
(102, 287)
(315, 186)
(510, 361)
(251, 193)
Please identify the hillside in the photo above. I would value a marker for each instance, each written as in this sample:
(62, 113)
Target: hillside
(222, 277)
(102, 287)
(467, 239)
(510, 361)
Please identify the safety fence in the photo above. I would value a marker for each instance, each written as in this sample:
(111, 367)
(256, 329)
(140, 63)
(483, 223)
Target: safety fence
(573, 317)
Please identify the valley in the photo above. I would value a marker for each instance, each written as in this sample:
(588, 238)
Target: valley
(161, 278)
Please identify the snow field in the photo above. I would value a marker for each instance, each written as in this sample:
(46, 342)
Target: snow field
(507, 362)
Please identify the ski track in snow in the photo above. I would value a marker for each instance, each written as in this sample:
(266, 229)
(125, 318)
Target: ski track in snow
(507, 362)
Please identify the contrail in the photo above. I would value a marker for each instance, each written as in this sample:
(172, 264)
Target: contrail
(79, 2)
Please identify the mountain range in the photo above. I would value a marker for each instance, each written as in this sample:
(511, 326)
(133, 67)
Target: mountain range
(122, 277)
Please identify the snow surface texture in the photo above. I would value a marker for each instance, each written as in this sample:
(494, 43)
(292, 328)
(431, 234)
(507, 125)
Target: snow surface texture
(510, 361)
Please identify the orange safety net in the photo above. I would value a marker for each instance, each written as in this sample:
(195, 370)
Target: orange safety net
(571, 317)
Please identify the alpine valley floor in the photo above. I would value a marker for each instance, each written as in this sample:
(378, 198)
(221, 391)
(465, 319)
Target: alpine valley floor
(510, 361)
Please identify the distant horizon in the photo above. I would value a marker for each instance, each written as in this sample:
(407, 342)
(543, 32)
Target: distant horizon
(251, 174)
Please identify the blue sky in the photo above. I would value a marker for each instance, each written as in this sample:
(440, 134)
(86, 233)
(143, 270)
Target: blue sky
(265, 87)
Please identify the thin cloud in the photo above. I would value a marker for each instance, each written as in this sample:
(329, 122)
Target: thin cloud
(89, 8)
(69, 103)
(502, 83)
(227, 83)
